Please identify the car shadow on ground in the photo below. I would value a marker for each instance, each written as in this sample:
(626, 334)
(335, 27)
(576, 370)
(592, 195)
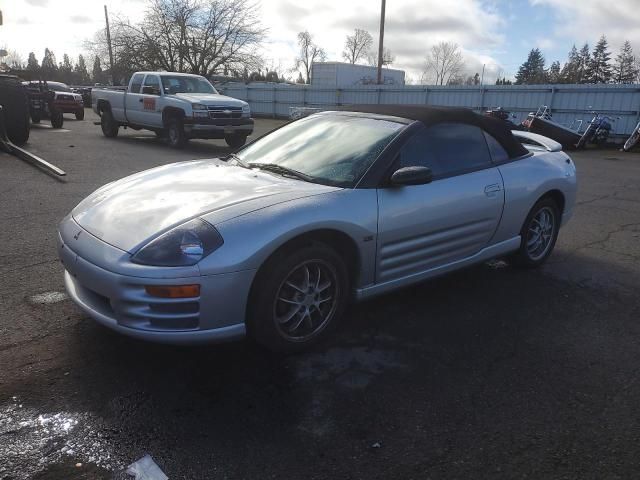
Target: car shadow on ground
(485, 365)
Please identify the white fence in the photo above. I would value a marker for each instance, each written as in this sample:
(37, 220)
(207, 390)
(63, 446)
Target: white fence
(569, 103)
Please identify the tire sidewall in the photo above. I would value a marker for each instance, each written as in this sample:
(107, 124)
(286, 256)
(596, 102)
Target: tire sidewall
(235, 140)
(522, 256)
(260, 320)
(109, 129)
(175, 133)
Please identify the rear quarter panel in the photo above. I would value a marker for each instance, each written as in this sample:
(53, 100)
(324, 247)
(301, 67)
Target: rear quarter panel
(527, 180)
(115, 98)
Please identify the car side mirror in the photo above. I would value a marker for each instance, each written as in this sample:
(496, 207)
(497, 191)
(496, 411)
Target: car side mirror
(147, 90)
(411, 176)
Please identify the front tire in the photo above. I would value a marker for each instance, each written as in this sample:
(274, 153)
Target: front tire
(35, 118)
(80, 114)
(57, 119)
(108, 125)
(235, 140)
(539, 234)
(175, 133)
(298, 298)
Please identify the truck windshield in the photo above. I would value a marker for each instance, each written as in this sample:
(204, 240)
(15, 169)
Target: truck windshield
(173, 84)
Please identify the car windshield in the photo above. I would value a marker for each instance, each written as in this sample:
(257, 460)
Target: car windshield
(58, 87)
(186, 84)
(333, 149)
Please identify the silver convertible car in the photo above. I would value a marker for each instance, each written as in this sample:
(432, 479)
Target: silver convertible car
(275, 240)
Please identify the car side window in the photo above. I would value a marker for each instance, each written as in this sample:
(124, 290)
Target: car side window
(447, 149)
(497, 151)
(136, 83)
(154, 82)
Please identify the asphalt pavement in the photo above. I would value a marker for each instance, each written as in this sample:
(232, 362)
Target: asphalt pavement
(487, 373)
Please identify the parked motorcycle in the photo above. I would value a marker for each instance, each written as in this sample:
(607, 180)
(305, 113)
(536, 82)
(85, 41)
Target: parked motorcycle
(597, 131)
(633, 139)
(502, 114)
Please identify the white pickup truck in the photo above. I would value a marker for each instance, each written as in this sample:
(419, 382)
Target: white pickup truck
(178, 106)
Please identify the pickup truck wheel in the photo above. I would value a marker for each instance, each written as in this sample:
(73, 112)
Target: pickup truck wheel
(35, 118)
(108, 125)
(235, 140)
(175, 133)
(57, 120)
(80, 114)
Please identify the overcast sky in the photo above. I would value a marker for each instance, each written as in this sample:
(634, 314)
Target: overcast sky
(497, 33)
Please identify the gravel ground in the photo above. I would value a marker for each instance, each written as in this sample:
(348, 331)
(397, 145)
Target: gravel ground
(487, 373)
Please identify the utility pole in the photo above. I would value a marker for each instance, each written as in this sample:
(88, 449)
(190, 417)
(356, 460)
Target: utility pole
(482, 78)
(381, 42)
(106, 18)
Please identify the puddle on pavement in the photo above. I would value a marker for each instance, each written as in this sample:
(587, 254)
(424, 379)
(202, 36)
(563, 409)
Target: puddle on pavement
(30, 441)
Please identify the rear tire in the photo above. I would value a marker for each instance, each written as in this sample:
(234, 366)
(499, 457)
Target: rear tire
(298, 298)
(175, 133)
(80, 114)
(57, 119)
(539, 234)
(235, 140)
(632, 141)
(108, 124)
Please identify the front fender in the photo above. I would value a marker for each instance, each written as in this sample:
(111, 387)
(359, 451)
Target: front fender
(251, 239)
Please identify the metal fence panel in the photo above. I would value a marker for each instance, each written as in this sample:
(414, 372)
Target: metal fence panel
(570, 104)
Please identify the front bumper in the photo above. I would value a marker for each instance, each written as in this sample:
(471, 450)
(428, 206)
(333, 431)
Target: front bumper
(120, 302)
(217, 128)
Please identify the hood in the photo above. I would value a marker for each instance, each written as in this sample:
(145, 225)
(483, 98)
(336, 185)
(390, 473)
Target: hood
(211, 99)
(129, 212)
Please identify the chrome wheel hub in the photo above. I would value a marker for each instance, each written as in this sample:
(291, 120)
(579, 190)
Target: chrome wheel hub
(306, 300)
(540, 233)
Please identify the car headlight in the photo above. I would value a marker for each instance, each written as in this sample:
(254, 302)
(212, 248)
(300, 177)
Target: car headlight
(199, 110)
(246, 111)
(183, 246)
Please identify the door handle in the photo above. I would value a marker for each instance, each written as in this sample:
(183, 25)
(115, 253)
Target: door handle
(140, 100)
(490, 190)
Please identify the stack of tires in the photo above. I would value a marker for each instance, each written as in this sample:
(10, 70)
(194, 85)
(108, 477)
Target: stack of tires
(15, 104)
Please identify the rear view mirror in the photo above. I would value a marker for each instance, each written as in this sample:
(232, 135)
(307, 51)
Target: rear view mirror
(411, 176)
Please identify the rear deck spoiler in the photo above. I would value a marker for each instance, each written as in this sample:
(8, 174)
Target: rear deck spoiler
(539, 140)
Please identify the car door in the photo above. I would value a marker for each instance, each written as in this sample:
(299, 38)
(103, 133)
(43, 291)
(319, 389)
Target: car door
(151, 93)
(422, 227)
(133, 100)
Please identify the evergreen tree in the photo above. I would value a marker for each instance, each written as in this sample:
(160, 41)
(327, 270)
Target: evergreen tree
(569, 73)
(96, 73)
(81, 73)
(532, 71)
(65, 70)
(32, 62)
(554, 72)
(624, 69)
(583, 65)
(599, 68)
(49, 68)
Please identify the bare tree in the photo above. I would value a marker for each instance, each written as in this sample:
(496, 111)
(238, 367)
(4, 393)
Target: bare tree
(357, 45)
(443, 62)
(197, 36)
(14, 60)
(387, 57)
(309, 53)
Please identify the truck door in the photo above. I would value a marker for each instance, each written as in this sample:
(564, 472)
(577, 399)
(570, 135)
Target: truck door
(151, 115)
(133, 100)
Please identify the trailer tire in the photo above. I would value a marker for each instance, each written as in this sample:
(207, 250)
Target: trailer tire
(15, 104)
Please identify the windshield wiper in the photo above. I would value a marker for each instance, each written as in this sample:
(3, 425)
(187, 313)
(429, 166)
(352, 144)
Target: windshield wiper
(233, 156)
(275, 168)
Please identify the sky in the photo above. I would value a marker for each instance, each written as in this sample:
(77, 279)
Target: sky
(496, 34)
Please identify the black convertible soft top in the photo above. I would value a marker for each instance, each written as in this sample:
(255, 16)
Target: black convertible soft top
(431, 115)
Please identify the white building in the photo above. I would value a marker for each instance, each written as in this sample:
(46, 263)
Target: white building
(343, 75)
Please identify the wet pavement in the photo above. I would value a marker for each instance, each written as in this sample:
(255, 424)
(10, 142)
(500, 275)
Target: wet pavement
(490, 372)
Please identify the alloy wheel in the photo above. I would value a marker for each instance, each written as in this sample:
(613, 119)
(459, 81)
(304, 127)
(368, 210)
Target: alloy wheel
(540, 233)
(306, 300)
